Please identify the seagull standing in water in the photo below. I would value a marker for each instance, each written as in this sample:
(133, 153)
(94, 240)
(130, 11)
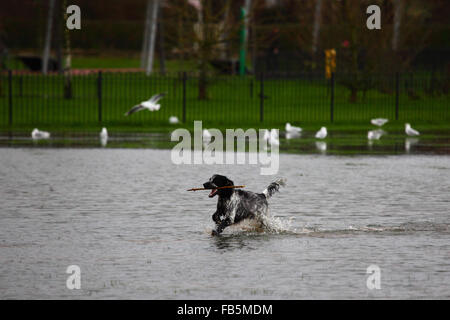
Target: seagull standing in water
(322, 133)
(173, 120)
(151, 104)
(292, 129)
(379, 121)
(104, 137)
(274, 139)
(206, 135)
(410, 131)
(37, 134)
(375, 134)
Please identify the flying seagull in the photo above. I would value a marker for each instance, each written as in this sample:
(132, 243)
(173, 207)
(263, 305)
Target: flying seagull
(322, 133)
(37, 134)
(292, 129)
(150, 104)
(410, 131)
(379, 121)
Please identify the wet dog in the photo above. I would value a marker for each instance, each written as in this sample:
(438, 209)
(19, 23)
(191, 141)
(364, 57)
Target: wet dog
(235, 205)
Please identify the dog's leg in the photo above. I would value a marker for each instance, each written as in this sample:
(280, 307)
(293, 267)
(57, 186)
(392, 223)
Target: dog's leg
(220, 226)
(216, 217)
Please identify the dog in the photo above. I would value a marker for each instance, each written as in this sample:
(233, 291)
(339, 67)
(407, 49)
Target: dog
(235, 205)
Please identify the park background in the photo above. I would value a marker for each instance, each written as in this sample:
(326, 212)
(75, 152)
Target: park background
(241, 63)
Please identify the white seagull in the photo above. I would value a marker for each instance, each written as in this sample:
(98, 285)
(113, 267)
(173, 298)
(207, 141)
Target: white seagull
(266, 135)
(274, 139)
(206, 135)
(410, 131)
(173, 120)
(292, 129)
(37, 134)
(379, 121)
(151, 104)
(271, 136)
(375, 134)
(104, 137)
(322, 133)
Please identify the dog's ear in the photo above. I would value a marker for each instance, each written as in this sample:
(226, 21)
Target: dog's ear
(229, 182)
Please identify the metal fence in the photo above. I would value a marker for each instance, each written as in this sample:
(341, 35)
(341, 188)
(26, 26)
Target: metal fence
(104, 97)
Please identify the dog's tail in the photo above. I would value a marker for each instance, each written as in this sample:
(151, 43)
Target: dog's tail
(274, 187)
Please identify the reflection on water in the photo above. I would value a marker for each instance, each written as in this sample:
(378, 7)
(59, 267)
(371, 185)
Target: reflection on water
(410, 142)
(340, 143)
(124, 217)
(321, 146)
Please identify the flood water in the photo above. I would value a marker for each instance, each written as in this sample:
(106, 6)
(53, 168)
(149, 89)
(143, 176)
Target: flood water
(125, 218)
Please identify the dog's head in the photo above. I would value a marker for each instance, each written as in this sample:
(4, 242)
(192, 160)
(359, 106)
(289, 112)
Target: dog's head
(218, 181)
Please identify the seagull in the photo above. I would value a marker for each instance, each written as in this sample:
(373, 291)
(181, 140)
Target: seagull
(410, 131)
(322, 133)
(150, 104)
(379, 121)
(173, 120)
(266, 135)
(375, 134)
(271, 136)
(206, 135)
(274, 139)
(37, 134)
(292, 129)
(104, 137)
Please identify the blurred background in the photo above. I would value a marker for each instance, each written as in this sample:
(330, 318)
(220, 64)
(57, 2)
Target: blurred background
(224, 62)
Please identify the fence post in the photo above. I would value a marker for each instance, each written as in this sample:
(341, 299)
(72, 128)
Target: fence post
(99, 95)
(184, 96)
(332, 98)
(10, 97)
(20, 86)
(261, 95)
(397, 93)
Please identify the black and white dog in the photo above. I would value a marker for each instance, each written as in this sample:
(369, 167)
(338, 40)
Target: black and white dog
(235, 205)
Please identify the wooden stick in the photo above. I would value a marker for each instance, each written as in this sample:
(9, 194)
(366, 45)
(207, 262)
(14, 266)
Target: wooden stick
(225, 187)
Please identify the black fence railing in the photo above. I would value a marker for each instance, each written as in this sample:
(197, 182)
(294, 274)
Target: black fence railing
(104, 97)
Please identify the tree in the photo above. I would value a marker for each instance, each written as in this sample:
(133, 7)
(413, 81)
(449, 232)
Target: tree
(362, 52)
(68, 56)
(205, 28)
(48, 37)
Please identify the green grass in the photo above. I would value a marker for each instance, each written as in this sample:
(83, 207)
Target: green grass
(113, 62)
(233, 102)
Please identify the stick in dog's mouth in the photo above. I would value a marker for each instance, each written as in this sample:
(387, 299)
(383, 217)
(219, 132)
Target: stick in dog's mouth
(214, 191)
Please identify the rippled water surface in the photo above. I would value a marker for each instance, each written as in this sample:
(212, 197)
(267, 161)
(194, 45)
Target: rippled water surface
(124, 217)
